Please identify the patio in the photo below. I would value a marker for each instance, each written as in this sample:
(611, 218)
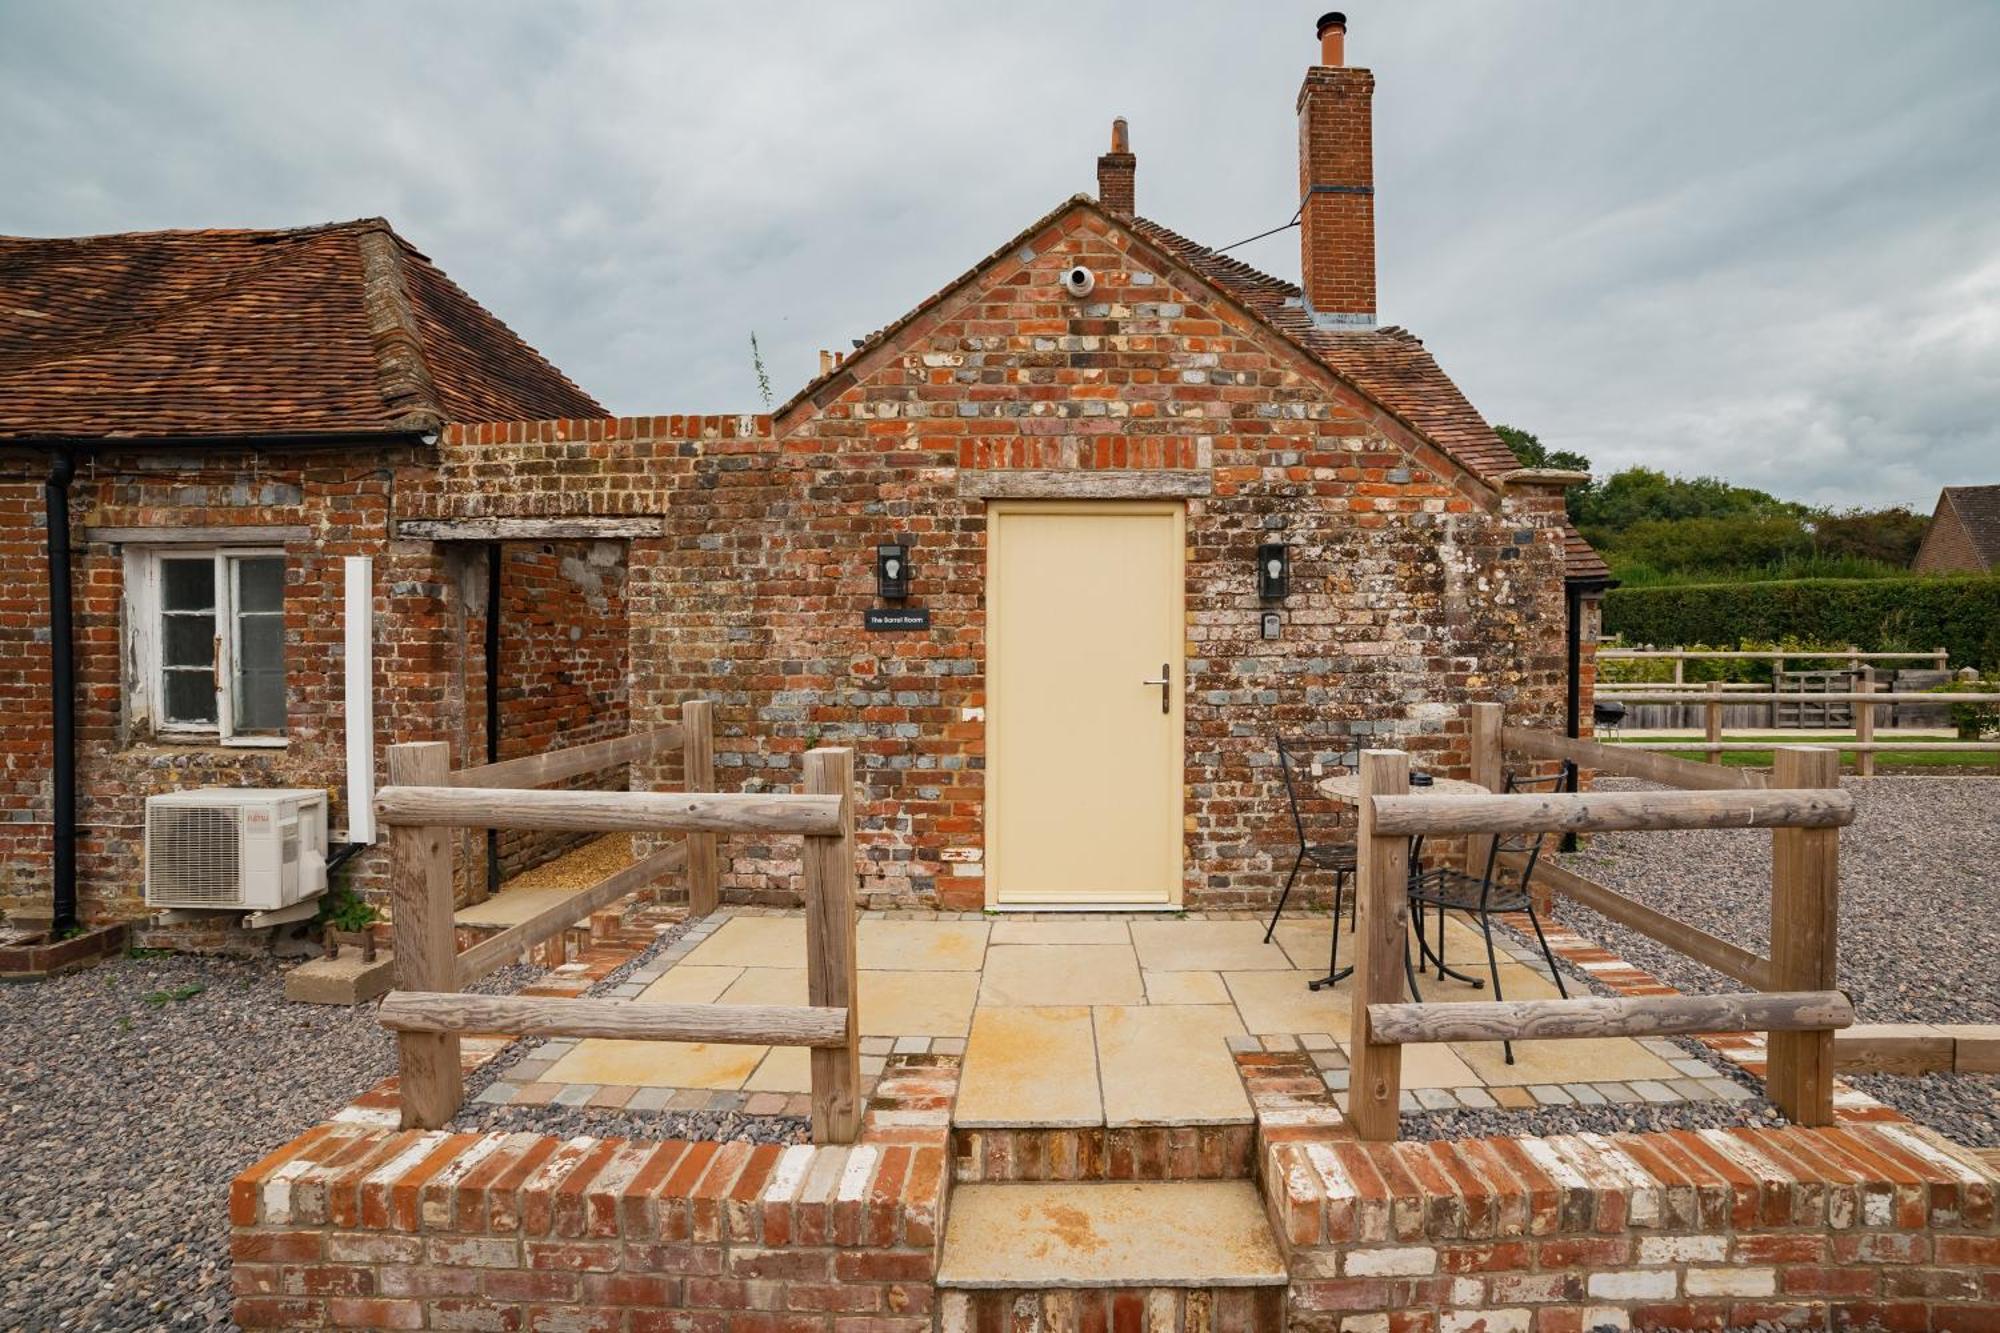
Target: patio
(1077, 1021)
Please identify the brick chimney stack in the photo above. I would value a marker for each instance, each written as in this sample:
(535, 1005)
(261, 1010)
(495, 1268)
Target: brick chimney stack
(1337, 185)
(1115, 170)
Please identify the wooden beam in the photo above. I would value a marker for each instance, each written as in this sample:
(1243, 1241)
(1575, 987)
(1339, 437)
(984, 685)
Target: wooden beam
(624, 1020)
(1790, 654)
(1794, 696)
(1375, 1077)
(1864, 725)
(577, 528)
(1629, 761)
(1910, 1049)
(1711, 714)
(1084, 484)
(538, 770)
(1846, 747)
(432, 1083)
(1719, 954)
(1489, 764)
(698, 774)
(1805, 919)
(498, 950)
(827, 875)
(609, 811)
(1646, 1016)
(227, 534)
(1596, 812)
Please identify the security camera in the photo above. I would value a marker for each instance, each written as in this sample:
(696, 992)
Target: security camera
(1079, 281)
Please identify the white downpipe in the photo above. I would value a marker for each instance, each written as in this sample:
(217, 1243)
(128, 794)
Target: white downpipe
(359, 614)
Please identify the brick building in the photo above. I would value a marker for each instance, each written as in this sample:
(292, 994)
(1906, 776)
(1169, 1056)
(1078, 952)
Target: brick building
(1964, 533)
(226, 416)
(1078, 454)
(1060, 552)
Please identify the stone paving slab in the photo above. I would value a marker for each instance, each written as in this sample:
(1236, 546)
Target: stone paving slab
(1030, 1066)
(1169, 1065)
(1206, 1233)
(1060, 974)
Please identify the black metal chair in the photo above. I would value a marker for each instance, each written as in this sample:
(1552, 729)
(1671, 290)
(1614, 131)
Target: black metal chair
(1335, 856)
(1496, 889)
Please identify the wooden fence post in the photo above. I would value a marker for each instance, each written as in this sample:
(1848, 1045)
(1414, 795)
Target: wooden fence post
(432, 1082)
(1488, 770)
(698, 774)
(1712, 720)
(1864, 723)
(1375, 1079)
(830, 969)
(1805, 914)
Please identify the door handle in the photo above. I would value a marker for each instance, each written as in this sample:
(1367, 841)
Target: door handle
(1165, 682)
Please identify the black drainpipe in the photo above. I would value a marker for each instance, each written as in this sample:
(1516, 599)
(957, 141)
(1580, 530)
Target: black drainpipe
(492, 699)
(62, 692)
(1573, 693)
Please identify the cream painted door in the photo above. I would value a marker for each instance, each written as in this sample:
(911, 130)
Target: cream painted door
(1083, 745)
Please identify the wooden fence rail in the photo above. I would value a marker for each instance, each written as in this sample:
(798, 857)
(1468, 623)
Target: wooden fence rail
(609, 811)
(428, 1014)
(531, 1016)
(1649, 1016)
(1603, 812)
(1800, 1010)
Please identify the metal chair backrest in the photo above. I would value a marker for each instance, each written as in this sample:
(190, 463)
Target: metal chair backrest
(1527, 844)
(1286, 760)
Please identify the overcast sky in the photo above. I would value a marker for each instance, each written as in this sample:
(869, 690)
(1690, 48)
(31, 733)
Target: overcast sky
(1759, 240)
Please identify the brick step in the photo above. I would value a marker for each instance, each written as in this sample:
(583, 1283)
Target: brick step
(994, 1154)
(1200, 1241)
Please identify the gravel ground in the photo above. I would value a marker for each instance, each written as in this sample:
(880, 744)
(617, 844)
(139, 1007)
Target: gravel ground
(1919, 918)
(568, 1121)
(130, 1099)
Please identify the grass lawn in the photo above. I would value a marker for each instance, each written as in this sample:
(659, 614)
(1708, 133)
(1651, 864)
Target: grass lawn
(1909, 753)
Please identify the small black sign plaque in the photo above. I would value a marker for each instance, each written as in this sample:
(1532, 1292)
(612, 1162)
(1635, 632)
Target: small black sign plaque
(896, 618)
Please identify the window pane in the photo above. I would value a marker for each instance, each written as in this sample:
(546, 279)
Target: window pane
(190, 640)
(190, 696)
(260, 583)
(260, 701)
(260, 675)
(187, 585)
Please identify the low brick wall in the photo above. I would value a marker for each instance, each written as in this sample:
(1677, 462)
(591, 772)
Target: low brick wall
(350, 1227)
(1844, 1227)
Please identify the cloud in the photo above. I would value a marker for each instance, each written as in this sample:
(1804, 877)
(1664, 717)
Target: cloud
(1752, 240)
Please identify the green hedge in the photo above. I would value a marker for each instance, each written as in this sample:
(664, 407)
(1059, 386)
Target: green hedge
(1960, 614)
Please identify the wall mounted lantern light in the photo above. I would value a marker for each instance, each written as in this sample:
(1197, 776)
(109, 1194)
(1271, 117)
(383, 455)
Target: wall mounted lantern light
(1274, 571)
(892, 571)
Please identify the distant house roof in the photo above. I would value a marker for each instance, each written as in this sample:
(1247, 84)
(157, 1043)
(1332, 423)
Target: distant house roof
(343, 328)
(1964, 532)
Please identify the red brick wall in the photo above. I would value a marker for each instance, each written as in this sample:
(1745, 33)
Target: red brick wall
(1414, 588)
(1337, 224)
(427, 599)
(563, 659)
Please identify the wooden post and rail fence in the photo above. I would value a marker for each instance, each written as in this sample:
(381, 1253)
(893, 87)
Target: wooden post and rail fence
(1798, 1005)
(425, 800)
(1866, 699)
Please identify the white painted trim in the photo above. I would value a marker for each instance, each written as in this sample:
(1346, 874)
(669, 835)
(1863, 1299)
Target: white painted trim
(143, 680)
(358, 613)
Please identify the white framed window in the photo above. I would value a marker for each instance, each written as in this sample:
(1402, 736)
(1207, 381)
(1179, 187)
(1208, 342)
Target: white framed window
(206, 631)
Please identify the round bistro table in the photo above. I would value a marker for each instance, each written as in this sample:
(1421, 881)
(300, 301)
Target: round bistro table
(1346, 788)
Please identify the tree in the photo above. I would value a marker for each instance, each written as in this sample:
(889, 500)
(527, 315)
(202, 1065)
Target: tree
(1533, 453)
(1889, 535)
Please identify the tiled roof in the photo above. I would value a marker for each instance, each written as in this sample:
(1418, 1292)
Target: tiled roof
(1390, 365)
(339, 328)
(1978, 510)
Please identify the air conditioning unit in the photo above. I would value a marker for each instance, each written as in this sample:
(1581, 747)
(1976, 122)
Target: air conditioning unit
(235, 848)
